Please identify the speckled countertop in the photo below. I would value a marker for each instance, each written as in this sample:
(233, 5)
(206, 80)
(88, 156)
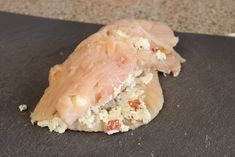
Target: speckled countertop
(200, 16)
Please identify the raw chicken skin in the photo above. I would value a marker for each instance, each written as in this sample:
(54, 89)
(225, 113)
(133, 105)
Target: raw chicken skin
(101, 63)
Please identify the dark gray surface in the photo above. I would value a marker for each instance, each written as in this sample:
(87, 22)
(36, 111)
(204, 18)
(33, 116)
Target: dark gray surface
(198, 117)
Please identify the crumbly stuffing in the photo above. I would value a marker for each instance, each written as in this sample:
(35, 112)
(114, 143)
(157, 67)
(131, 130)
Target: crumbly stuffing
(141, 43)
(127, 108)
(160, 55)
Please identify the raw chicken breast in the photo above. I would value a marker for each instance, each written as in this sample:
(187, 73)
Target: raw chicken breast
(109, 82)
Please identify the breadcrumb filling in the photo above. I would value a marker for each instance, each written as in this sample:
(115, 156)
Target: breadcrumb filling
(55, 124)
(125, 110)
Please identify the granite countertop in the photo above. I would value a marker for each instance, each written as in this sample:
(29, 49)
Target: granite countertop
(200, 16)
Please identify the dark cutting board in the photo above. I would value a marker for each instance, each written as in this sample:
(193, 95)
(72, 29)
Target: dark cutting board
(198, 117)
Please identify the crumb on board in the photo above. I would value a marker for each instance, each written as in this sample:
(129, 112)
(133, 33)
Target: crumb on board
(23, 107)
(152, 154)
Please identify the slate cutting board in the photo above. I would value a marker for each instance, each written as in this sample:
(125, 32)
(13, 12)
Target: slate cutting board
(198, 117)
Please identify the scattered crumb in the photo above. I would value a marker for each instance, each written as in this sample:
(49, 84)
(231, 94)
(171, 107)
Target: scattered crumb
(23, 107)
(160, 55)
(132, 133)
(185, 134)
(139, 144)
(178, 106)
(152, 154)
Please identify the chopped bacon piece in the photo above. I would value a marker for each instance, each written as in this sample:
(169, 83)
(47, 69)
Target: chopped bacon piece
(113, 125)
(134, 103)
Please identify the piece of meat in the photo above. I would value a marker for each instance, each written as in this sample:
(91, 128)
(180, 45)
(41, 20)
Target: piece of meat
(101, 63)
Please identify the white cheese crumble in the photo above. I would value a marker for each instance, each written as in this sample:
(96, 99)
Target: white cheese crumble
(129, 82)
(88, 119)
(160, 55)
(23, 107)
(103, 115)
(55, 124)
(141, 43)
(124, 128)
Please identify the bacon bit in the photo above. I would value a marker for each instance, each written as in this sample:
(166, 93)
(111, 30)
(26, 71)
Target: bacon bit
(113, 125)
(134, 103)
(123, 90)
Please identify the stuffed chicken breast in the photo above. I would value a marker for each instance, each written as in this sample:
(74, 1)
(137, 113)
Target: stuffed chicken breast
(110, 82)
